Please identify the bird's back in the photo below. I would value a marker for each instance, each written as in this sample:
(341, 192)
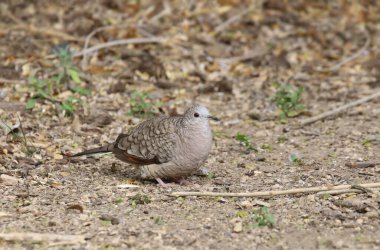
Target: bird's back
(152, 141)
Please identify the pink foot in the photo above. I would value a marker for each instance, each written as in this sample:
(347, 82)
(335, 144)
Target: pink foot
(181, 181)
(163, 184)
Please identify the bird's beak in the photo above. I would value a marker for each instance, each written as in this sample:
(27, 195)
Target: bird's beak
(213, 118)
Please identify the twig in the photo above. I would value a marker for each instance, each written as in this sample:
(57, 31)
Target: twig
(347, 191)
(342, 191)
(355, 55)
(364, 164)
(361, 188)
(275, 192)
(139, 40)
(339, 109)
(36, 237)
(87, 41)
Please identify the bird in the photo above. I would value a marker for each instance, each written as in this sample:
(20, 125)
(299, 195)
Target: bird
(165, 147)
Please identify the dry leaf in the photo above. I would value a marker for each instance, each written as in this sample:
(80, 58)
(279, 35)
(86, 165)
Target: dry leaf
(77, 207)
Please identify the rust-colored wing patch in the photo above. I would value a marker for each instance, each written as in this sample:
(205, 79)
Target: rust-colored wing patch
(124, 156)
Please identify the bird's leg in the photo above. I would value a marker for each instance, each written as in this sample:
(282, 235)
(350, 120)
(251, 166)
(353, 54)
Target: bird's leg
(162, 183)
(182, 181)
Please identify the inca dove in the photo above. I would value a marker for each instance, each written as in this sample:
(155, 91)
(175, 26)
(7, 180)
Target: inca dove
(165, 147)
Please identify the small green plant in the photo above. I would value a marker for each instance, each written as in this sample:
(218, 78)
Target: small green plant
(106, 222)
(242, 214)
(142, 105)
(119, 200)
(245, 141)
(255, 218)
(261, 218)
(158, 220)
(326, 196)
(296, 159)
(370, 140)
(139, 199)
(282, 139)
(66, 79)
(288, 100)
(211, 175)
(266, 146)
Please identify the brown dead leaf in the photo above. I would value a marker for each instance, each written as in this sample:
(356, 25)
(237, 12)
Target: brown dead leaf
(76, 207)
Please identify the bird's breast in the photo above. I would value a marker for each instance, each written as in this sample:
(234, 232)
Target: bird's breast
(195, 146)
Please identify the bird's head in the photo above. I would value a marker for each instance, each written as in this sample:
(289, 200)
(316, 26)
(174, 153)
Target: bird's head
(198, 114)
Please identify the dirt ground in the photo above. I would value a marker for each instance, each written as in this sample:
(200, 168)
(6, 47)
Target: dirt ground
(226, 55)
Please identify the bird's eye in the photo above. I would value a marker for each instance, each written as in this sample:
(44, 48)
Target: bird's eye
(196, 115)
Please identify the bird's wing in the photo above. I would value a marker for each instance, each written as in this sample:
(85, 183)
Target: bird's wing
(151, 142)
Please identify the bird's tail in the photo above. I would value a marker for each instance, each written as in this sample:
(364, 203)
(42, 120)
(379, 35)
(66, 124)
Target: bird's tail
(104, 149)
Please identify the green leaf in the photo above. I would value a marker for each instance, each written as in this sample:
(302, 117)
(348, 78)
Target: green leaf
(242, 214)
(246, 141)
(42, 93)
(69, 105)
(287, 99)
(30, 104)
(293, 157)
(82, 91)
(211, 175)
(74, 75)
(37, 83)
(106, 222)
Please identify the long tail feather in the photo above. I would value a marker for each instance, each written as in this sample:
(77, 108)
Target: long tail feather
(104, 149)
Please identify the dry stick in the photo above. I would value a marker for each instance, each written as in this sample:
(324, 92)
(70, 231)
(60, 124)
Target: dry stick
(339, 109)
(274, 193)
(342, 191)
(36, 237)
(355, 55)
(166, 11)
(346, 191)
(364, 164)
(361, 188)
(87, 41)
(140, 40)
(88, 38)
